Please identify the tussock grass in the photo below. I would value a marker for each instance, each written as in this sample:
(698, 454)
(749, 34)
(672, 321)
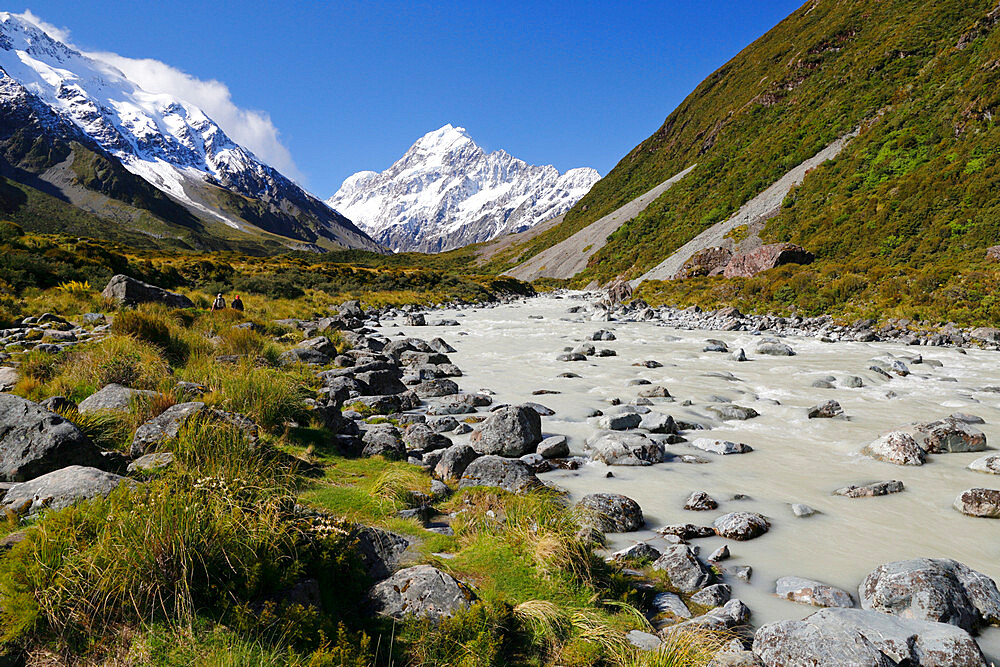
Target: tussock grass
(269, 396)
(116, 359)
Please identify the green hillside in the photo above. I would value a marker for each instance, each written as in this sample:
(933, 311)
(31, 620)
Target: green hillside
(901, 218)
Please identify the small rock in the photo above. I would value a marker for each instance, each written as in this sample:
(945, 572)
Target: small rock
(812, 592)
(700, 501)
(870, 490)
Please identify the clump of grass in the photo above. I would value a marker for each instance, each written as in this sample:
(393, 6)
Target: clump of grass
(145, 326)
(269, 396)
(395, 486)
(40, 366)
(116, 359)
(248, 343)
(74, 287)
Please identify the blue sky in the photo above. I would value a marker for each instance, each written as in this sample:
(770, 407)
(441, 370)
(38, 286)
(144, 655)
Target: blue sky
(350, 85)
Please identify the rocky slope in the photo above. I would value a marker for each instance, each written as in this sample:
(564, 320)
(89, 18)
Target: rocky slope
(447, 192)
(909, 193)
(77, 129)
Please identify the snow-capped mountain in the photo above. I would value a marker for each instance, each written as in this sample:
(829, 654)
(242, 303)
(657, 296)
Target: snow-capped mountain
(168, 142)
(446, 192)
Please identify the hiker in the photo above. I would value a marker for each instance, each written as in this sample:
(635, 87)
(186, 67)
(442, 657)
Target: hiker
(237, 303)
(219, 303)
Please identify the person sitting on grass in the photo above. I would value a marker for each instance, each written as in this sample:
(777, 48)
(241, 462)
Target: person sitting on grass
(237, 303)
(219, 303)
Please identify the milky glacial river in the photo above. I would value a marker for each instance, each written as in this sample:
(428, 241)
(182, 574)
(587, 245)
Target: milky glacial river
(795, 459)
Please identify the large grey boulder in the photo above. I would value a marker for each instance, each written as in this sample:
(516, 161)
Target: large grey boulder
(812, 592)
(164, 427)
(728, 619)
(380, 382)
(454, 462)
(683, 567)
(553, 447)
(741, 525)
(59, 489)
(510, 431)
(611, 512)
(898, 447)
(113, 397)
(380, 550)
(34, 441)
(131, 292)
(508, 474)
(436, 388)
(933, 589)
(775, 349)
(983, 503)
(862, 638)
(383, 440)
(421, 591)
(425, 438)
(625, 449)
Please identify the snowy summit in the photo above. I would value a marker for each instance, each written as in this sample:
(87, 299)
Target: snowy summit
(446, 192)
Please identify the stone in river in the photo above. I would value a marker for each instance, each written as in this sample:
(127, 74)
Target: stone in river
(825, 410)
(949, 435)
(554, 447)
(715, 595)
(729, 411)
(721, 446)
(802, 510)
(775, 349)
(863, 638)
(741, 525)
(612, 512)
(933, 589)
(870, 490)
(620, 422)
(682, 567)
(988, 464)
(983, 503)
(700, 501)
(812, 592)
(628, 449)
(897, 447)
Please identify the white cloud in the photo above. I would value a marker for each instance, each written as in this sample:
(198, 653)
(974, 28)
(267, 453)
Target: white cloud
(252, 129)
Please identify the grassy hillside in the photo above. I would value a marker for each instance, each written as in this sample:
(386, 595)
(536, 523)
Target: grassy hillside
(909, 200)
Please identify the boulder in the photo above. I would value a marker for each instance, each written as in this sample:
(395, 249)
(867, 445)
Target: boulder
(60, 488)
(715, 595)
(682, 566)
(35, 441)
(984, 503)
(897, 447)
(731, 616)
(421, 591)
(949, 435)
(933, 589)
(625, 449)
(825, 410)
(636, 553)
(164, 427)
(380, 383)
(870, 490)
(553, 447)
(988, 464)
(508, 474)
(731, 411)
(656, 422)
(699, 501)
(750, 263)
(863, 638)
(151, 463)
(611, 512)
(741, 525)
(304, 355)
(436, 388)
(670, 604)
(113, 397)
(812, 592)
(453, 462)
(380, 550)
(620, 422)
(384, 440)
(8, 378)
(510, 431)
(131, 292)
(424, 438)
(775, 349)
(706, 262)
(723, 447)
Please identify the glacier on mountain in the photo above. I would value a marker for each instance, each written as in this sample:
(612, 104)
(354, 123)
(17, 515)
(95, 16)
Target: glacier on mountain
(447, 192)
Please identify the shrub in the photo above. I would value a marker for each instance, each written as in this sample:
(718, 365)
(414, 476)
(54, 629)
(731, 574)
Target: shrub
(249, 343)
